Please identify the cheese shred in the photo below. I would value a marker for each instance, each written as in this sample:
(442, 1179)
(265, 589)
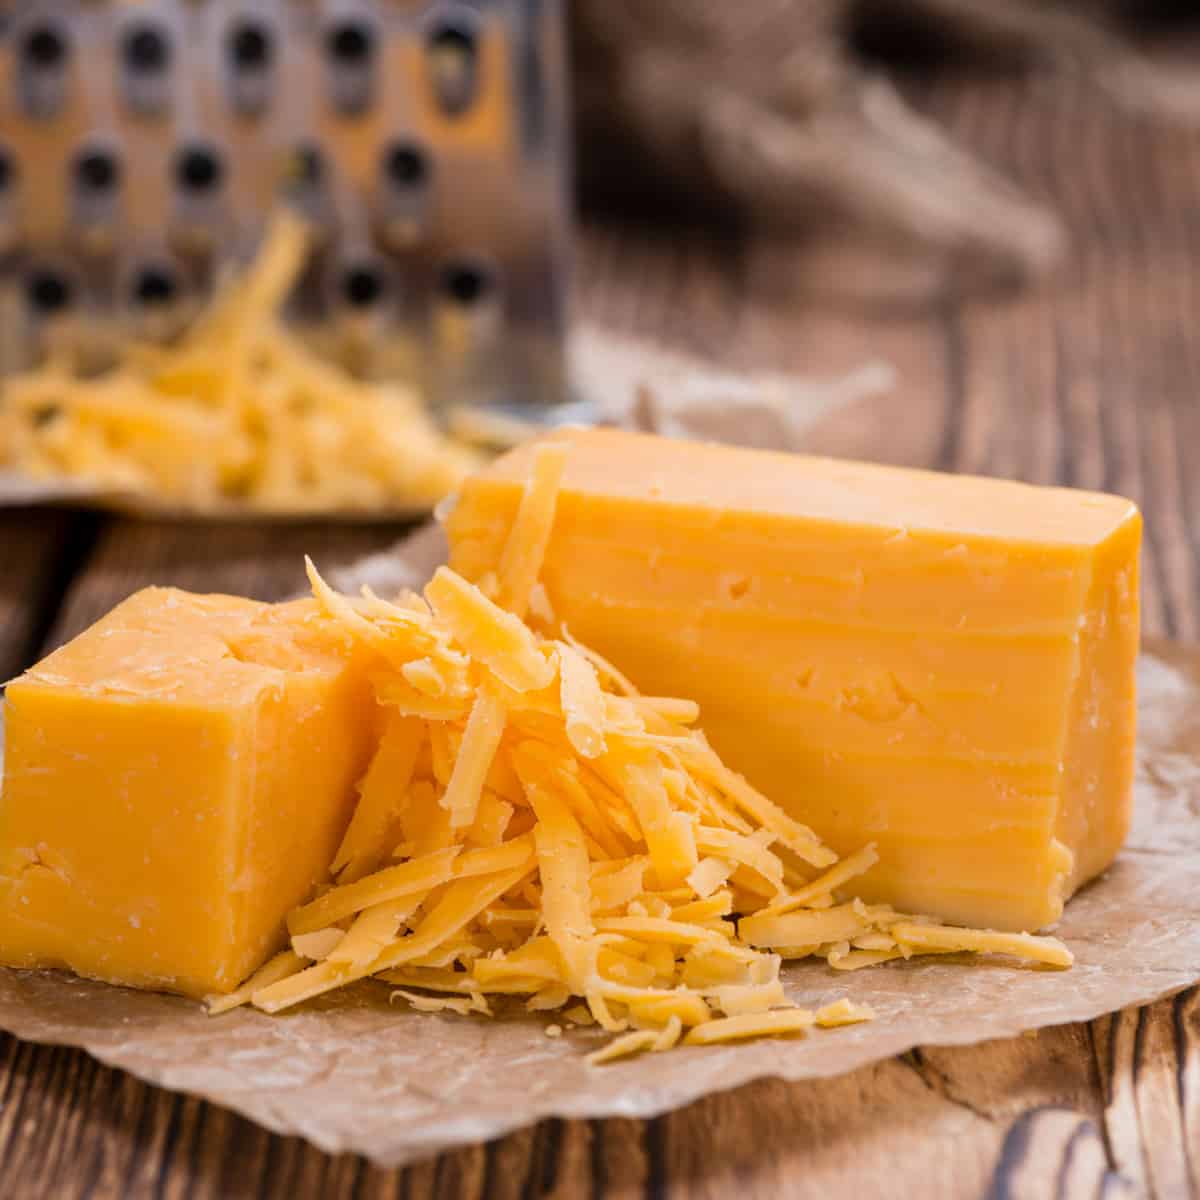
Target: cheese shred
(550, 834)
(238, 413)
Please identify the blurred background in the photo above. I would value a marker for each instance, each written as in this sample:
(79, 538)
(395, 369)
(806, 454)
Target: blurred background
(950, 233)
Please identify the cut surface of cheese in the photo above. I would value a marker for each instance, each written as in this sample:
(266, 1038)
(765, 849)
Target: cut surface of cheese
(941, 666)
(176, 779)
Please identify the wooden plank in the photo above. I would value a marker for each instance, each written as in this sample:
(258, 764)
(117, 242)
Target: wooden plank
(747, 306)
(1091, 380)
(265, 561)
(1027, 1117)
(39, 550)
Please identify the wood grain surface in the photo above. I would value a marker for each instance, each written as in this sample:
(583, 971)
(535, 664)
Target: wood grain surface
(1092, 380)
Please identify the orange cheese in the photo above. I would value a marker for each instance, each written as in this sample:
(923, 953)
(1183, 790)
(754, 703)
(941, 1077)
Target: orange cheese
(941, 666)
(177, 778)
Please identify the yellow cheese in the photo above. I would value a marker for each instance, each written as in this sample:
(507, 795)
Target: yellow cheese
(775, 1023)
(623, 1046)
(940, 666)
(937, 938)
(381, 796)
(541, 837)
(477, 751)
(495, 638)
(563, 865)
(177, 778)
(237, 413)
(523, 551)
(582, 702)
(843, 1012)
(285, 963)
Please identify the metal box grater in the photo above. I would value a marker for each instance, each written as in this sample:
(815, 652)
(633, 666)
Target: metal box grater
(144, 143)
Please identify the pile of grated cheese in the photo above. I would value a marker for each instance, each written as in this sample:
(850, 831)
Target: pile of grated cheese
(532, 825)
(238, 412)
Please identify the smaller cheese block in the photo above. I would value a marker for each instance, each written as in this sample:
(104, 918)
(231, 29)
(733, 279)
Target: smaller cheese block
(176, 779)
(940, 665)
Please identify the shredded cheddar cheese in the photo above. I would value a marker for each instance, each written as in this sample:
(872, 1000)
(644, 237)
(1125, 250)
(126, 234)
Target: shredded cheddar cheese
(551, 834)
(237, 412)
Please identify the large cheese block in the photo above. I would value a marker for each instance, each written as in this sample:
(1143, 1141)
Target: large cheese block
(176, 779)
(941, 665)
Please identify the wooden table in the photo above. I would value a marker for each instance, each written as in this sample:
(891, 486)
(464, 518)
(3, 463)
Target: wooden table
(1092, 380)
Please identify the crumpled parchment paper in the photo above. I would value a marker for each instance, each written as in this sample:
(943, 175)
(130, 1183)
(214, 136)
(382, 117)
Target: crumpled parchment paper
(353, 1072)
(615, 379)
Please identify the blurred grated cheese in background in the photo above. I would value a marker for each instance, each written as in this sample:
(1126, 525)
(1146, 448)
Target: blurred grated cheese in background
(144, 146)
(238, 413)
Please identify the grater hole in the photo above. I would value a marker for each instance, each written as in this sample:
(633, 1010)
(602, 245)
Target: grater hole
(154, 286)
(466, 283)
(453, 55)
(406, 164)
(307, 166)
(97, 171)
(250, 46)
(350, 43)
(362, 286)
(146, 49)
(198, 169)
(45, 47)
(49, 292)
(453, 40)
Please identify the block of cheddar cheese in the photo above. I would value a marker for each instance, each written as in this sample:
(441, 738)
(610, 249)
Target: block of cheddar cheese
(176, 779)
(940, 665)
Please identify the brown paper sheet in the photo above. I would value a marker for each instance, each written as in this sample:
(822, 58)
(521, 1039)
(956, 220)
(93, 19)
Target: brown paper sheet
(355, 1073)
